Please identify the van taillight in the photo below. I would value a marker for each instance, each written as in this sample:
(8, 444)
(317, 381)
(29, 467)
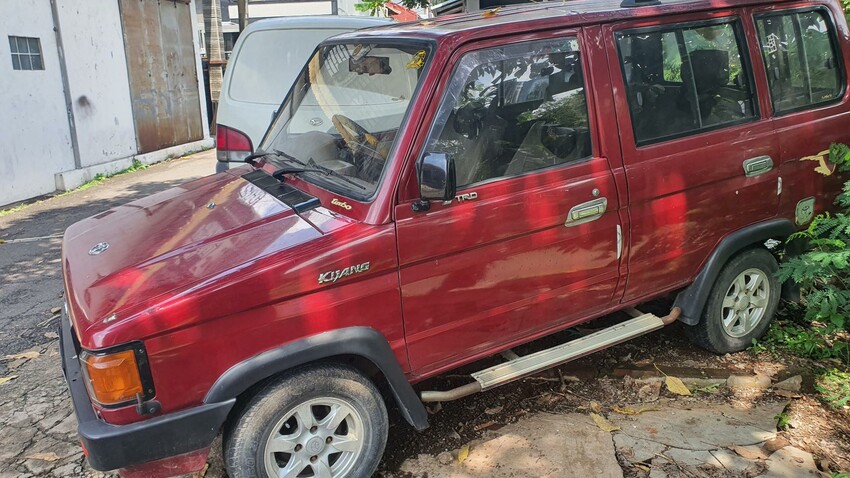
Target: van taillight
(232, 145)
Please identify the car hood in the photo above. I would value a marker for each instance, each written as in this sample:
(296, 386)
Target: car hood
(117, 263)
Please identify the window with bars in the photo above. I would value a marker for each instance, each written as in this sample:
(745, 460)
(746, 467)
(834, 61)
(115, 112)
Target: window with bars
(26, 53)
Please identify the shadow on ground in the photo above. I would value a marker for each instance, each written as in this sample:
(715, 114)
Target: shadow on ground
(30, 255)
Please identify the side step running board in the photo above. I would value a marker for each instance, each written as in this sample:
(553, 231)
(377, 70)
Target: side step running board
(529, 364)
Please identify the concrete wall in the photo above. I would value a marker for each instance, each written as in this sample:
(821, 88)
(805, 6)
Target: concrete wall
(93, 43)
(35, 138)
(264, 10)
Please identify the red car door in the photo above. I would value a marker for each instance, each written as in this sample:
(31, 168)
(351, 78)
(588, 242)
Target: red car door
(699, 152)
(530, 243)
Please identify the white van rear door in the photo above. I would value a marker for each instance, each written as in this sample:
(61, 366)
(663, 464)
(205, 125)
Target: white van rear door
(262, 72)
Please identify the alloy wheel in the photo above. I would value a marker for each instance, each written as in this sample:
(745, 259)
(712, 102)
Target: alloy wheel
(320, 438)
(745, 302)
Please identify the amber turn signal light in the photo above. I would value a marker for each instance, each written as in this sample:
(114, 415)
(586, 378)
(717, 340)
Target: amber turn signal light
(112, 378)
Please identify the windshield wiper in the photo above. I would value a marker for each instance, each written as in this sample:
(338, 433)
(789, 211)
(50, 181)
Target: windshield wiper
(311, 165)
(285, 170)
(257, 154)
(276, 152)
(278, 174)
(331, 172)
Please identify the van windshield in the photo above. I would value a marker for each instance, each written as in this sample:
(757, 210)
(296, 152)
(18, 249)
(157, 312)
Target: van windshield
(344, 113)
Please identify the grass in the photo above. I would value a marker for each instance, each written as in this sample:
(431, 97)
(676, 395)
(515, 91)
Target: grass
(98, 179)
(830, 352)
(790, 332)
(834, 387)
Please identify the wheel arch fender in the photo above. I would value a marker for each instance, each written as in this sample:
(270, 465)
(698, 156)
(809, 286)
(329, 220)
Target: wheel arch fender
(693, 298)
(365, 343)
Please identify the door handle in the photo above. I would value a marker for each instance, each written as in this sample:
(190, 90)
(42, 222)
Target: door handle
(757, 165)
(586, 212)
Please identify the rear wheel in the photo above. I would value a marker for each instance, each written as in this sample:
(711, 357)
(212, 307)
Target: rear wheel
(741, 303)
(323, 422)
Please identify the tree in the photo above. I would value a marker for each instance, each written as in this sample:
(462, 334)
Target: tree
(374, 7)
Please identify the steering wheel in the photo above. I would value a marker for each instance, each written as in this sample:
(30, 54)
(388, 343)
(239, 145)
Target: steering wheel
(356, 136)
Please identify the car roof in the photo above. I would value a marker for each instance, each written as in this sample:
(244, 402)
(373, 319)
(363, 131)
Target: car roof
(541, 15)
(316, 22)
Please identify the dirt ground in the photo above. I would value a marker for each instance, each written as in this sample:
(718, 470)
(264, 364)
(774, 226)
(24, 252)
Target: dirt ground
(605, 378)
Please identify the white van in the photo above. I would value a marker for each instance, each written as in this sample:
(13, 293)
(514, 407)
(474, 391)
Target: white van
(267, 57)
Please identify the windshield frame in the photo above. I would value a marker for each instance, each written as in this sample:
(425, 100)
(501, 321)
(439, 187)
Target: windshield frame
(316, 179)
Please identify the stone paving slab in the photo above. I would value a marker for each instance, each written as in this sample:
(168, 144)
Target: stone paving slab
(704, 429)
(542, 445)
(701, 441)
(673, 442)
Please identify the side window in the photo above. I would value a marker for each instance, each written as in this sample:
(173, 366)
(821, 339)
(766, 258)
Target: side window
(799, 55)
(513, 109)
(685, 79)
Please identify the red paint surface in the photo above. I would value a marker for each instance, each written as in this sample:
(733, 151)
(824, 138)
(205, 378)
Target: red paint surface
(174, 466)
(205, 288)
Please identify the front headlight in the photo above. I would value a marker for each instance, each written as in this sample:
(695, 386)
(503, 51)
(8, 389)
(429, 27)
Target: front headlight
(117, 377)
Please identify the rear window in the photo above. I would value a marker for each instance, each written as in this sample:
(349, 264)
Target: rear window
(269, 61)
(803, 69)
(685, 79)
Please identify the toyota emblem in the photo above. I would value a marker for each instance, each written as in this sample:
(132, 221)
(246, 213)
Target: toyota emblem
(98, 248)
(316, 122)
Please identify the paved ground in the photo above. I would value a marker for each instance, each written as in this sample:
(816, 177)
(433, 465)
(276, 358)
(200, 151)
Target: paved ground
(673, 437)
(696, 442)
(680, 436)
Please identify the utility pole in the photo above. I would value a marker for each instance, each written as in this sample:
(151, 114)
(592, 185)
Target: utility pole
(242, 6)
(215, 49)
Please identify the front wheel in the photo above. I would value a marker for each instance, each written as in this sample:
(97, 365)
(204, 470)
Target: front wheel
(324, 422)
(741, 303)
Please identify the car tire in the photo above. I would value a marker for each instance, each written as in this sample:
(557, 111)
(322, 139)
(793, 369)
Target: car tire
(299, 420)
(741, 303)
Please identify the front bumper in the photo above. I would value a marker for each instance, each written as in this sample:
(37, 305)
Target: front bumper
(109, 447)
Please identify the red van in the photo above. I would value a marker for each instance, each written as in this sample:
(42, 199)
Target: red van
(430, 194)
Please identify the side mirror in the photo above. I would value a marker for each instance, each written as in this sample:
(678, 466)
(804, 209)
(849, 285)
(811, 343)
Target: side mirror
(437, 177)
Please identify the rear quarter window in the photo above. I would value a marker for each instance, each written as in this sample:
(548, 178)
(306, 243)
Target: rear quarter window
(800, 55)
(684, 79)
(269, 61)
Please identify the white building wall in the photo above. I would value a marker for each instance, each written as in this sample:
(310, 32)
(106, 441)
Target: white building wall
(35, 138)
(93, 43)
(263, 10)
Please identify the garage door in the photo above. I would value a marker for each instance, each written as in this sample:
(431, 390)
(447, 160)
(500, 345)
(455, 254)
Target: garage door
(163, 76)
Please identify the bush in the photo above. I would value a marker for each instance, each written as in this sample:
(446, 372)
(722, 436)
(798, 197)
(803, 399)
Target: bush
(820, 328)
(823, 271)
